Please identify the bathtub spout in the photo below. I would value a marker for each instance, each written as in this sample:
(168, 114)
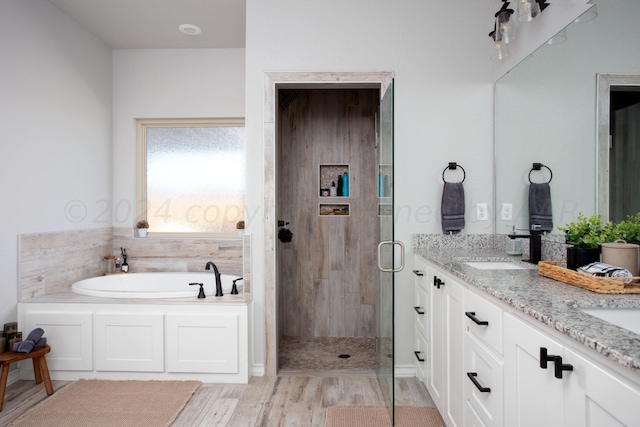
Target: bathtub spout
(218, 280)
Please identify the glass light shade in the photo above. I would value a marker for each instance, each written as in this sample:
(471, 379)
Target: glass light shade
(528, 10)
(501, 52)
(505, 27)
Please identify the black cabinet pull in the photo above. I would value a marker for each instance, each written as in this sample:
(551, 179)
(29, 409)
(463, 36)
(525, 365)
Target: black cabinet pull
(472, 376)
(418, 272)
(417, 309)
(559, 367)
(437, 282)
(472, 315)
(417, 353)
(544, 358)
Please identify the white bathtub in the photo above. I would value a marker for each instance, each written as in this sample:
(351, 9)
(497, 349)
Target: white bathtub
(154, 285)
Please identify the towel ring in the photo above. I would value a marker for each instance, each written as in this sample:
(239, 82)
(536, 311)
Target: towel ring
(537, 167)
(453, 166)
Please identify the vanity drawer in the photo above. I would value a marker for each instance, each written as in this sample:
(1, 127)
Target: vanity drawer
(483, 389)
(421, 351)
(483, 320)
(420, 306)
(420, 274)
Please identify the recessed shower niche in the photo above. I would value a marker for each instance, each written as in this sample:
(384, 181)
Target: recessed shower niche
(326, 276)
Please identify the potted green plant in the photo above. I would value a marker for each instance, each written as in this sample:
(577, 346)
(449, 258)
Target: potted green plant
(142, 227)
(585, 235)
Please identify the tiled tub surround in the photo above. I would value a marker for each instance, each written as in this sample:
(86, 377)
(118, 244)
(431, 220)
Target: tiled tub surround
(49, 263)
(553, 303)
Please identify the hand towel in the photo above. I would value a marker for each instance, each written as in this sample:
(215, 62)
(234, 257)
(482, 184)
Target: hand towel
(600, 269)
(540, 207)
(452, 207)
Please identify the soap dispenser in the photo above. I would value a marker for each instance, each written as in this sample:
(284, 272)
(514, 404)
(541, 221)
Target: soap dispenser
(513, 246)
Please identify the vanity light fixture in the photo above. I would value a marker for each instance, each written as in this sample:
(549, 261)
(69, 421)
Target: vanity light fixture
(502, 49)
(505, 27)
(190, 29)
(504, 30)
(528, 10)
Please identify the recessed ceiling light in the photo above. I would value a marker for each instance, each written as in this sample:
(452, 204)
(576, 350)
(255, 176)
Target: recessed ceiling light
(190, 29)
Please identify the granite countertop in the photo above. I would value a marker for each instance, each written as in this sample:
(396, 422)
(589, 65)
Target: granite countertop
(553, 303)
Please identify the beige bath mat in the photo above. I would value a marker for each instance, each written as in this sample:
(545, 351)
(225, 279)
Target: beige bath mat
(92, 403)
(378, 416)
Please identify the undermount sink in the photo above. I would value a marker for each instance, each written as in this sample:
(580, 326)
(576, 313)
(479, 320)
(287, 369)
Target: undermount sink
(626, 318)
(494, 265)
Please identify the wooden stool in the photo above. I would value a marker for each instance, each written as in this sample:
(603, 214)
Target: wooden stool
(40, 368)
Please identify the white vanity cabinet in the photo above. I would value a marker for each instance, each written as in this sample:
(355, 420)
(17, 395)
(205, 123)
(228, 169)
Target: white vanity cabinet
(533, 396)
(421, 316)
(484, 367)
(483, 362)
(573, 389)
(445, 345)
(205, 342)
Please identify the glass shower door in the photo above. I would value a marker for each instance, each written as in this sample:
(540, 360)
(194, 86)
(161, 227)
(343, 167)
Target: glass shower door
(386, 263)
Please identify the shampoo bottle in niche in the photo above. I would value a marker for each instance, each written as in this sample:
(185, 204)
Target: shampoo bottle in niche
(339, 191)
(345, 184)
(333, 191)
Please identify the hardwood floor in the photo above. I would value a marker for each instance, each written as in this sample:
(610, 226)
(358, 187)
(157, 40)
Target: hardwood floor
(288, 400)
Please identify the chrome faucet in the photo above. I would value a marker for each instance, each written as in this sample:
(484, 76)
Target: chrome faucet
(218, 280)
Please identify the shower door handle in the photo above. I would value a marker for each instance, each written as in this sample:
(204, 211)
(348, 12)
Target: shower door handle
(391, 242)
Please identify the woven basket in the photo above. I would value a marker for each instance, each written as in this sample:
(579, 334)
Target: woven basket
(602, 285)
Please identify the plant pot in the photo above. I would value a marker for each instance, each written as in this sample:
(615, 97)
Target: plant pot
(621, 254)
(142, 232)
(240, 233)
(578, 257)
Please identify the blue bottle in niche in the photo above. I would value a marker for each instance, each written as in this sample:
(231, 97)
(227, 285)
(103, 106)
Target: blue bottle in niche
(345, 184)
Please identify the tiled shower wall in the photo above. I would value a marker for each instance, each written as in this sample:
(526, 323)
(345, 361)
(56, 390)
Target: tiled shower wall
(50, 262)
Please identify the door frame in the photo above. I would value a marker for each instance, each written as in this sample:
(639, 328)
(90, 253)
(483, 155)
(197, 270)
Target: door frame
(605, 82)
(273, 81)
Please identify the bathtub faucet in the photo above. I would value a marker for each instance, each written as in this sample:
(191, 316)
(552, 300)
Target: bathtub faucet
(218, 280)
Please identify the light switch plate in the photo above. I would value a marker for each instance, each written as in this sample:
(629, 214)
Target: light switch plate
(482, 212)
(507, 211)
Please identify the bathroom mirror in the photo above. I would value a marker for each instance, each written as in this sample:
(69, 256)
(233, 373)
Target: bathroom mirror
(546, 112)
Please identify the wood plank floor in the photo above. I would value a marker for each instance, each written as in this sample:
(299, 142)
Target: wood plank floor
(286, 400)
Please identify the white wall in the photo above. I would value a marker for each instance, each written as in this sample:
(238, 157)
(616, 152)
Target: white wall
(443, 105)
(171, 83)
(55, 131)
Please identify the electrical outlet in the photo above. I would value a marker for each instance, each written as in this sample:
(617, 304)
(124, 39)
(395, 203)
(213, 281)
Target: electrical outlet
(507, 211)
(482, 212)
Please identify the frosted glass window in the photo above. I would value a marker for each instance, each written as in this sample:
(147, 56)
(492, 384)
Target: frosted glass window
(195, 175)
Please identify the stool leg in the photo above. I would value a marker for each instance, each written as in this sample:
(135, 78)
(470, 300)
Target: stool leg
(3, 383)
(36, 369)
(44, 369)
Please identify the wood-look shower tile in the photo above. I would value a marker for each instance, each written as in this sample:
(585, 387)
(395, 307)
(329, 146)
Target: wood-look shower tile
(321, 304)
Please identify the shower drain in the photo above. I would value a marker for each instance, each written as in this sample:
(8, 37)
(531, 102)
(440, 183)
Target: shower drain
(344, 356)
